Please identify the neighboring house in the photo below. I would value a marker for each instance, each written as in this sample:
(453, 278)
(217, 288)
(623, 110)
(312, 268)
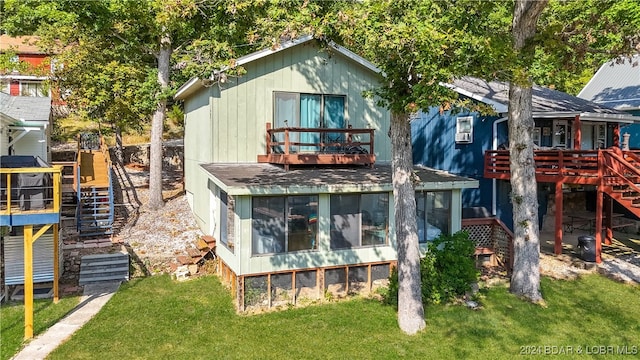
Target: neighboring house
(467, 143)
(281, 168)
(31, 82)
(617, 85)
(25, 126)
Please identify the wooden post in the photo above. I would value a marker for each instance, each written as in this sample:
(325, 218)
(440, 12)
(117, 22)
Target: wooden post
(557, 247)
(599, 201)
(599, 194)
(608, 217)
(56, 264)
(578, 138)
(28, 281)
(268, 139)
(616, 135)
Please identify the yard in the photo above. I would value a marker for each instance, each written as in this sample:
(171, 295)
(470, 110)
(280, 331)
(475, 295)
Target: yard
(156, 317)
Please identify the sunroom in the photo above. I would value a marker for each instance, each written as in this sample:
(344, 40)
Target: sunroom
(285, 237)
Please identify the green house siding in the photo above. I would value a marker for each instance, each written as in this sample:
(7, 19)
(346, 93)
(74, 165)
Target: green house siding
(243, 106)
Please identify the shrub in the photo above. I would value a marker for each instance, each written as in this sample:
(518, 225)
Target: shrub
(446, 271)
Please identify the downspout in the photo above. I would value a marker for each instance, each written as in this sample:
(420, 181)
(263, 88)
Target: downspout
(494, 146)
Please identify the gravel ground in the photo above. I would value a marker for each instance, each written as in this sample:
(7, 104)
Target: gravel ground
(157, 237)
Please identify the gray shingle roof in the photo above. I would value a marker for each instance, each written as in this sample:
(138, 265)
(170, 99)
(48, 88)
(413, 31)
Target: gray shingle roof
(544, 99)
(25, 108)
(616, 85)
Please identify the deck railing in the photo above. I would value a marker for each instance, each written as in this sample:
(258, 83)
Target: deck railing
(492, 234)
(302, 146)
(579, 166)
(29, 191)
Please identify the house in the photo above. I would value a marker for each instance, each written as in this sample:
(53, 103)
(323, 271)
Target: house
(617, 85)
(32, 80)
(25, 126)
(288, 167)
(570, 136)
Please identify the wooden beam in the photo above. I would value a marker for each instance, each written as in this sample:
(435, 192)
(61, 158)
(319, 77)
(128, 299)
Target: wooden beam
(578, 138)
(557, 247)
(56, 263)
(28, 281)
(608, 219)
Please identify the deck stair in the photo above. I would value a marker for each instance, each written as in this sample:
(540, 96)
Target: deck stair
(95, 213)
(104, 267)
(621, 181)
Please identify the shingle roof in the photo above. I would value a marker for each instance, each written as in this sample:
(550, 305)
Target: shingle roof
(245, 179)
(25, 108)
(544, 99)
(616, 84)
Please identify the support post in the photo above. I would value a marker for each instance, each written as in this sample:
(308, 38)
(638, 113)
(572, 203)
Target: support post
(599, 201)
(56, 264)
(578, 131)
(608, 219)
(28, 281)
(557, 247)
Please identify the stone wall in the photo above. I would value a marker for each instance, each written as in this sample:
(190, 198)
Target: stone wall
(173, 155)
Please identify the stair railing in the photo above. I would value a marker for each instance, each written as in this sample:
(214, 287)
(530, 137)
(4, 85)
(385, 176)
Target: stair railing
(615, 164)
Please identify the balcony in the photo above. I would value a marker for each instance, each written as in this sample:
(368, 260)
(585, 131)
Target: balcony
(30, 195)
(570, 166)
(307, 146)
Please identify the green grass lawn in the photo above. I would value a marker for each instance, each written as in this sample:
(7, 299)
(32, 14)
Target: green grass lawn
(156, 318)
(45, 314)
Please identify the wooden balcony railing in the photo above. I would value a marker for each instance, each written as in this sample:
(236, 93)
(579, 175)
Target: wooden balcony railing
(30, 195)
(310, 146)
(575, 166)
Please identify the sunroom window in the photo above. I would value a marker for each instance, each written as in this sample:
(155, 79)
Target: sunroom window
(284, 224)
(359, 220)
(433, 214)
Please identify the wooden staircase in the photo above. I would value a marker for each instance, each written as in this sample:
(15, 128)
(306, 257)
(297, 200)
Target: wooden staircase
(620, 179)
(95, 199)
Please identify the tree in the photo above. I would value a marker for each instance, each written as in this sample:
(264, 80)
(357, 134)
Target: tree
(525, 280)
(118, 55)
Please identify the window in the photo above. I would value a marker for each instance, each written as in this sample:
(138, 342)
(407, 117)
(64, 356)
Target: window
(464, 129)
(560, 133)
(274, 232)
(433, 214)
(227, 210)
(33, 89)
(309, 111)
(359, 220)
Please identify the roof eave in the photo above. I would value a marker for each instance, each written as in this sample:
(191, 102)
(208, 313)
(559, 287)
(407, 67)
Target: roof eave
(497, 106)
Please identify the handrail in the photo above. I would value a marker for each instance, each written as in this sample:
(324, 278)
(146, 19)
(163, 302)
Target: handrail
(322, 145)
(10, 206)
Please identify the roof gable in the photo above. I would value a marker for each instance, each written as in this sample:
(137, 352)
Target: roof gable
(616, 84)
(195, 84)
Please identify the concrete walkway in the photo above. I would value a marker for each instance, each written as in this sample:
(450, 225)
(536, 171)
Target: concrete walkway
(93, 299)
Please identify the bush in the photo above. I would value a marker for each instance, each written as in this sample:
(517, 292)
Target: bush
(446, 271)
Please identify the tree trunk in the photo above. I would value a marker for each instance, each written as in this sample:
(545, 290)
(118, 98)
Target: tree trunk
(155, 151)
(119, 150)
(410, 307)
(525, 280)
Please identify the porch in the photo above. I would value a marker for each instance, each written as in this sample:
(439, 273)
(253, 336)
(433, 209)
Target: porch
(614, 173)
(319, 146)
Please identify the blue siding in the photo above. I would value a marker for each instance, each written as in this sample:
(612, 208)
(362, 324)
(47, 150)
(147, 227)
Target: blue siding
(434, 146)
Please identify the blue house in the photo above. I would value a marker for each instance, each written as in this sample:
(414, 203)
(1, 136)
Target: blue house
(463, 142)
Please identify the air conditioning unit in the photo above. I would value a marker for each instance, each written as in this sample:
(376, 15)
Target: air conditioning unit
(463, 137)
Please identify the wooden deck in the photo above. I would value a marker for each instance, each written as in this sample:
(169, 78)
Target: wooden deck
(310, 146)
(93, 169)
